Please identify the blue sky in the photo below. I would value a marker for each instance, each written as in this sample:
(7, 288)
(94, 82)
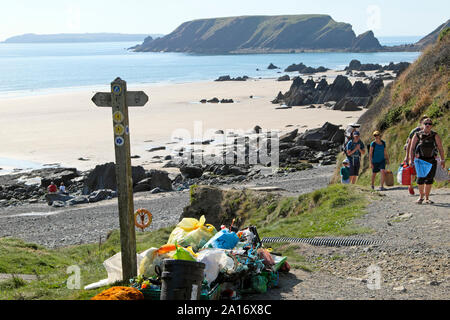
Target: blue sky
(384, 17)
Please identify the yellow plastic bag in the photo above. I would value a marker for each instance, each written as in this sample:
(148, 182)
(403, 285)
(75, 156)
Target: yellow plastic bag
(192, 232)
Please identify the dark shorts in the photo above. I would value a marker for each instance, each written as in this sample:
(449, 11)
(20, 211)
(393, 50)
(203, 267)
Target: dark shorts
(429, 179)
(354, 166)
(379, 166)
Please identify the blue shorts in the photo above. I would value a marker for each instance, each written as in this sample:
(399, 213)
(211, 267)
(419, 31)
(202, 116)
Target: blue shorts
(379, 166)
(347, 181)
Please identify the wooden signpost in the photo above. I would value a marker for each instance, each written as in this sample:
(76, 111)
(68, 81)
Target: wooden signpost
(119, 99)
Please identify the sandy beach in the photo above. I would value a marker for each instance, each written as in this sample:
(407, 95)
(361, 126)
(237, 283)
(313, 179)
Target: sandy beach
(60, 128)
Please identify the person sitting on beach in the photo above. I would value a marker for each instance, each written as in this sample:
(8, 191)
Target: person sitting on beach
(52, 188)
(354, 149)
(425, 146)
(62, 188)
(378, 159)
(345, 172)
(407, 151)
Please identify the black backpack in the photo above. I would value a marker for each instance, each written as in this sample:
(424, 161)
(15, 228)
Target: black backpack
(426, 147)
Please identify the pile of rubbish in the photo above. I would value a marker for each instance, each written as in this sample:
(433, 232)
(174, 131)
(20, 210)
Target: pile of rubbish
(200, 263)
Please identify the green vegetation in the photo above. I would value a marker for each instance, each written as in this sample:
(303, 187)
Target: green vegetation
(50, 266)
(328, 211)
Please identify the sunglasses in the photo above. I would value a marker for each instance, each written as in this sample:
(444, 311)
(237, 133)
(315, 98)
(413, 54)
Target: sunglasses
(428, 124)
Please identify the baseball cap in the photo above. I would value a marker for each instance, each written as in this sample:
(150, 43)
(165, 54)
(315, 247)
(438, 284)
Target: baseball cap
(376, 133)
(345, 161)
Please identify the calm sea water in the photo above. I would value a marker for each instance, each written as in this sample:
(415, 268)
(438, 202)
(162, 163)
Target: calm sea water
(27, 69)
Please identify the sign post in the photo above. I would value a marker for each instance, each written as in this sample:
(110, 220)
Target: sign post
(119, 99)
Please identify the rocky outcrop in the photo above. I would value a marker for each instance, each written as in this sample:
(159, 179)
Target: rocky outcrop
(301, 68)
(228, 78)
(366, 42)
(104, 177)
(310, 92)
(154, 179)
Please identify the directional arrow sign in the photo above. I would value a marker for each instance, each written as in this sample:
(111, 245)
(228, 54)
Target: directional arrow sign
(134, 99)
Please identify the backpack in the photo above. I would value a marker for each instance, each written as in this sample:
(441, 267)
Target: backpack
(426, 147)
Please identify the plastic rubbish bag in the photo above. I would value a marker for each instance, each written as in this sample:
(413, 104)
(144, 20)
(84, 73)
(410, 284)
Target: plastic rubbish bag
(266, 256)
(441, 173)
(183, 254)
(113, 266)
(224, 239)
(215, 260)
(422, 167)
(192, 232)
(400, 174)
(154, 257)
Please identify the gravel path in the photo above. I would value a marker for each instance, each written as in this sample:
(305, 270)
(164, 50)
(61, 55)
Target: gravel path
(413, 263)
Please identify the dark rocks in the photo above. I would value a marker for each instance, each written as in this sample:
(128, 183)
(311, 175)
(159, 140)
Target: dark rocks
(61, 175)
(272, 66)
(375, 86)
(104, 177)
(228, 78)
(226, 101)
(289, 137)
(190, 172)
(100, 195)
(284, 78)
(156, 149)
(301, 68)
(52, 197)
(155, 179)
(213, 100)
(359, 89)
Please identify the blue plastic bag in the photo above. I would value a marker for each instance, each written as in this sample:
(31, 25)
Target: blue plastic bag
(224, 239)
(422, 167)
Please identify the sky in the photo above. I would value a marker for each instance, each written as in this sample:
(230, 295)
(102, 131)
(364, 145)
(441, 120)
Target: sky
(384, 17)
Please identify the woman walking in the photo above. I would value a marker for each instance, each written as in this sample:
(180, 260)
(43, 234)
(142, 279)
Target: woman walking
(425, 146)
(355, 148)
(378, 159)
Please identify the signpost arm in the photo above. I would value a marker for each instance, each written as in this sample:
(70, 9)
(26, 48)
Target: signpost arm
(124, 178)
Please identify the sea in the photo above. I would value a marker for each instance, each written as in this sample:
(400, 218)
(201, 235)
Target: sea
(34, 69)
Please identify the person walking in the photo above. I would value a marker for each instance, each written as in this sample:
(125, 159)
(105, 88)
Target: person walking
(378, 159)
(345, 172)
(355, 148)
(408, 149)
(425, 145)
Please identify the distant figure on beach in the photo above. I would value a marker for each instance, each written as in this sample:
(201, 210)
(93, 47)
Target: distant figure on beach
(425, 145)
(378, 158)
(345, 172)
(52, 188)
(62, 188)
(407, 152)
(349, 133)
(354, 150)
